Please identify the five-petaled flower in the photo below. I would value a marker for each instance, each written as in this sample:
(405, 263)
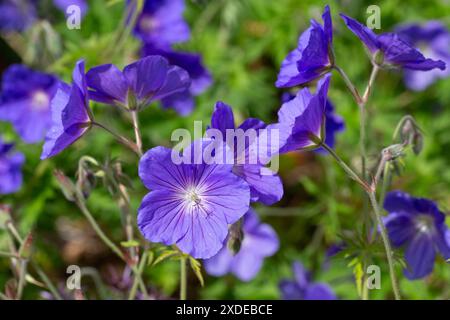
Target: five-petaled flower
(140, 83)
(10, 168)
(161, 23)
(25, 101)
(389, 49)
(417, 224)
(251, 158)
(302, 288)
(190, 205)
(70, 114)
(259, 241)
(313, 56)
(304, 116)
(433, 38)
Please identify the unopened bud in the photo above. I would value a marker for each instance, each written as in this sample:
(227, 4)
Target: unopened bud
(66, 185)
(235, 238)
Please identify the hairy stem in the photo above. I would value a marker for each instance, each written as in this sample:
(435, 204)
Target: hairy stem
(387, 244)
(126, 142)
(183, 279)
(141, 267)
(137, 131)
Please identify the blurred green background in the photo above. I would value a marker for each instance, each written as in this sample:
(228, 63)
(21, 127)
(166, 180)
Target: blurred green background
(243, 43)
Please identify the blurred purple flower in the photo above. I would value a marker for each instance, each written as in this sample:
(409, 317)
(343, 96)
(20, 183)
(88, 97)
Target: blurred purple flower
(333, 122)
(395, 51)
(10, 168)
(146, 80)
(201, 79)
(417, 224)
(161, 23)
(312, 57)
(25, 101)
(16, 15)
(64, 4)
(70, 114)
(265, 185)
(433, 39)
(304, 115)
(301, 288)
(260, 241)
(190, 205)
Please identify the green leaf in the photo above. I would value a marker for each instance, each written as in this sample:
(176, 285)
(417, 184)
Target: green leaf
(196, 266)
(129, 244)
(166, 255)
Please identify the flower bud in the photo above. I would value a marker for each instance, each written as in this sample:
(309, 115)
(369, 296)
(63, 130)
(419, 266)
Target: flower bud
(235, 238)
(66, 185)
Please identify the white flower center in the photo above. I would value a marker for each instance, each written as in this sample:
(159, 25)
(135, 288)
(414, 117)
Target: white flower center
(40, 100)
(148, 23)
(424, 223)
(192, 197)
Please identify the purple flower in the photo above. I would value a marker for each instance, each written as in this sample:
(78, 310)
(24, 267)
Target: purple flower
(301, 288)
(16, 15)
(265, 185)
(140, 83)
(70, 114)
(161, 23)
(190, 205)
(260, 241)
(312, 57)
(433, 39)
(395, 51)
(333, 122)
(64, 4)
(10, 168)
(201, 79)
(419, 226)
(304, 115)
(25, 101)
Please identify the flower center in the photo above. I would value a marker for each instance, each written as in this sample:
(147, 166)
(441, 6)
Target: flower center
(193, 197)
(148, 23)
(424, 223)
(40, 100)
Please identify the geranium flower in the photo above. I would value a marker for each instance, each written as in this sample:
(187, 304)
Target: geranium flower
(183, 102)
(70, 114)
(302, 288)
(140, 83)
(419, 226)
(304, 115)
(10, 168)
(394, 51)
(250, 162)
(25, 101)
(189, 205)
(433, 39)
(312, 57)
(161, 22)
(334, 123)
(260, 241)
(16, 15)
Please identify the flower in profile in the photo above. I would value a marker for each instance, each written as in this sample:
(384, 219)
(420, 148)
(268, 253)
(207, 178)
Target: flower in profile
(433, 39)
(334, 123)
(16, 15)
(25, 101)
(161, 23)
(189, 205)
(304, 115)
(389, 49)
(259, 242)
(10, 168)
(250, 161)
(70, 114)
(140, 83)
(302, 288)
(313, 56)
(201, 79)
(419, 226)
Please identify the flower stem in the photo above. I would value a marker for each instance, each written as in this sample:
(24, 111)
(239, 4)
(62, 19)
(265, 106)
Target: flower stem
(47, 281)
(137, 131)
(349, 84)
(183, 279)
(127, 143)
(22, 280)
(142, 263)
(387, 245)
